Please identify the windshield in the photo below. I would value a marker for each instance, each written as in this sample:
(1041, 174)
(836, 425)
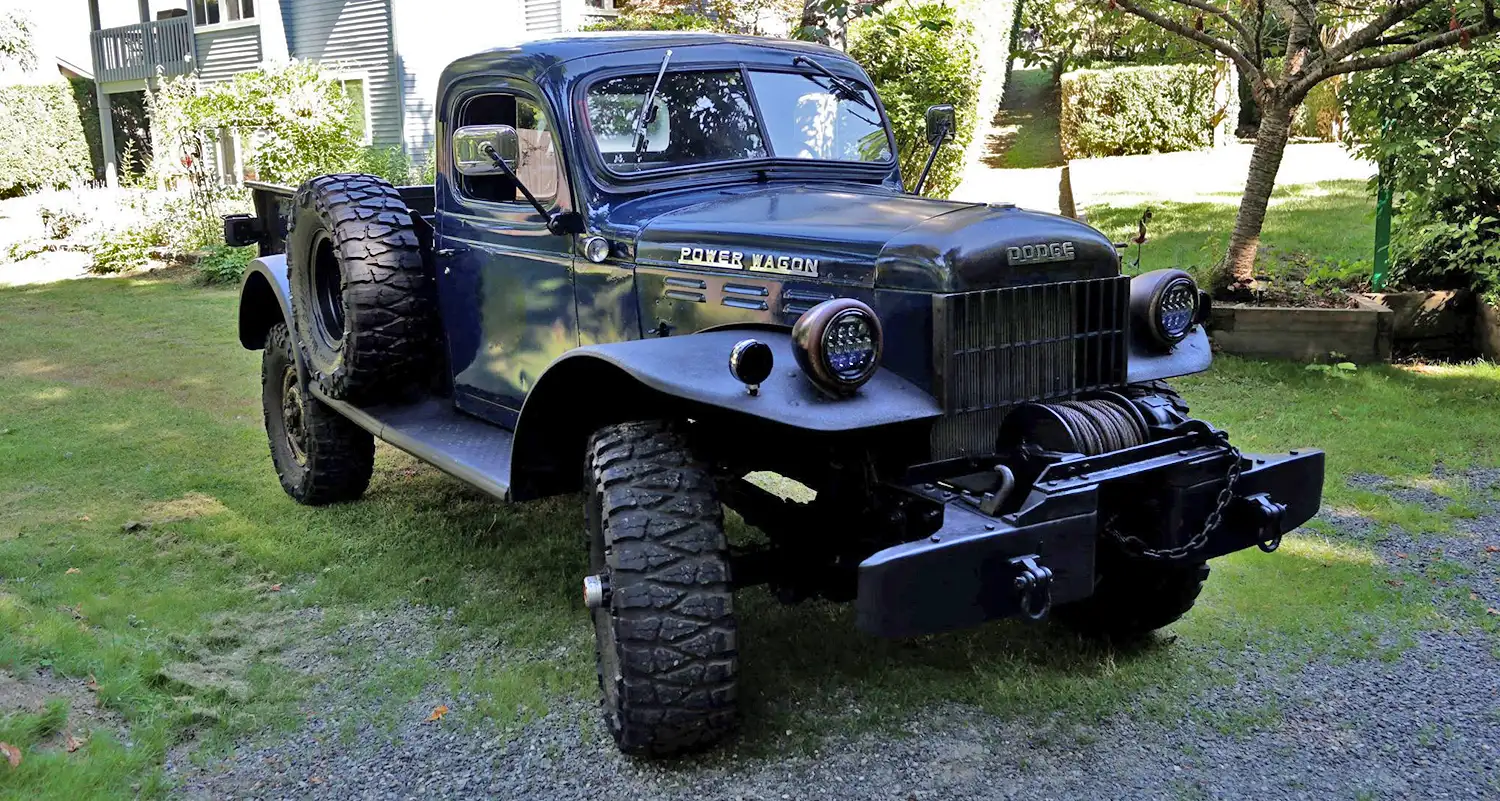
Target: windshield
(709, 116)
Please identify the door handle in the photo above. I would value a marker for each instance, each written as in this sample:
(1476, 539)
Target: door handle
(445, 252)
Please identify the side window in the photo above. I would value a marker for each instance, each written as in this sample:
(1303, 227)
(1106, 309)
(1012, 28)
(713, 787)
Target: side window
(540, 169)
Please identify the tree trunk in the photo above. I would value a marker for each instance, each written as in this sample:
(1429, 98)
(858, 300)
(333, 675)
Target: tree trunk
(1270, 143)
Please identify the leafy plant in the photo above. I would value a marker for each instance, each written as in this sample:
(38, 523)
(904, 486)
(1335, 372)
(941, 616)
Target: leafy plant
(919, 56)
(224, 265)
(1434, 126)
(1131, 110)
(390, 163)
(122, 250)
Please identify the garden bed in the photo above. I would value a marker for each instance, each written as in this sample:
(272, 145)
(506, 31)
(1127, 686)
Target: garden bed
(1360, 333)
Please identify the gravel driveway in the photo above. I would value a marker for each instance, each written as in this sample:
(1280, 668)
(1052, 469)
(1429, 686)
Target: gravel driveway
(1424, 725)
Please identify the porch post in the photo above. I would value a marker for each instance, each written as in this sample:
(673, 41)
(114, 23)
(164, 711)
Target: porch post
(94, 16)
(107, 137)
(145, 7)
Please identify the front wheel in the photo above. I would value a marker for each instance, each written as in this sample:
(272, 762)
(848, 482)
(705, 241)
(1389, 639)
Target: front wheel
(1134, 598)
(660, 594)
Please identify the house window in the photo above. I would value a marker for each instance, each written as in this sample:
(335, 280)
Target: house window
(602, 5)
(213, 12)
(355, 90)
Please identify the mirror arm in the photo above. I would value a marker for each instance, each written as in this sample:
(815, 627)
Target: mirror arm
(931, 157)
(559, 222)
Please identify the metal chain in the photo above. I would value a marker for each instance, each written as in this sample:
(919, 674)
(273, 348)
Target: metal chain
(1135, 546)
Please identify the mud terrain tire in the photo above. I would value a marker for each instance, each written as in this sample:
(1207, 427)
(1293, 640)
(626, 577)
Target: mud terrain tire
(319, 455)
(362, 300)
(1133, 599)
(665, 638)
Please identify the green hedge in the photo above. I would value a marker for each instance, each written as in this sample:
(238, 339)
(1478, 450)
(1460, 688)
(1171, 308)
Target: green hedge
(1130, 110)
(919, 56)
(42, 141)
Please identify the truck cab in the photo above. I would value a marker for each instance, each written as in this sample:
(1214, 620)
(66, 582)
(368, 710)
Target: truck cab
(656, 266)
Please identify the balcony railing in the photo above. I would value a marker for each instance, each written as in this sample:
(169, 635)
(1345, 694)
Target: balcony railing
(133, 52)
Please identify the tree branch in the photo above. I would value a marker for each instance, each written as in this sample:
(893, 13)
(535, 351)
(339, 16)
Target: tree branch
(1399, 12)
(1482, 28)
(1247, 67)
(1204, 5)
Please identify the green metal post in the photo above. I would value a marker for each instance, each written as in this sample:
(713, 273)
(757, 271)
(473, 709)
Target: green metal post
(1382, 233)
(1382, 221)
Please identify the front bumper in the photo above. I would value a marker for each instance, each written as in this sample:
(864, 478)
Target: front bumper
(979, 567)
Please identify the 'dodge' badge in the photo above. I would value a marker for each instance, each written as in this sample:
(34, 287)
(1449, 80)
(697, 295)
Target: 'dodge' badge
(756, 262)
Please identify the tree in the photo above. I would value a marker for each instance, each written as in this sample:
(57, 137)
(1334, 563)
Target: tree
(15, 41)
(826, 21)
(1322, 39)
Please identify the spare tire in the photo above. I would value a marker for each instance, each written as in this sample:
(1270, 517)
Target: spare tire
(361, 297)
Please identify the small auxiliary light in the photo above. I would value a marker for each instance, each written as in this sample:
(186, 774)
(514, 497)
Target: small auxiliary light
(596, 249)
(750, 361)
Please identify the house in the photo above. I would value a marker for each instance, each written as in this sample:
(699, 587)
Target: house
(390, 52)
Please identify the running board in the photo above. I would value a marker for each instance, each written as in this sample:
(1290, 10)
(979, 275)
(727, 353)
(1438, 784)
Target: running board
(467, 448)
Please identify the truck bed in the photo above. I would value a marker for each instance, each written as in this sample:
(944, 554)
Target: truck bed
(432, 430)
(273, 205)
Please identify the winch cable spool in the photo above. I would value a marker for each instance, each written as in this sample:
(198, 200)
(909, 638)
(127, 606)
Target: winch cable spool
(1100, 426)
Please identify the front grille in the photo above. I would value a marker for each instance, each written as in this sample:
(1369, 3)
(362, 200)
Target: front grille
(996, 348)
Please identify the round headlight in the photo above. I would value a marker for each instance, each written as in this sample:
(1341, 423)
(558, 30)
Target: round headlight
(838, 344)
(1166, 303)
(1176, 309)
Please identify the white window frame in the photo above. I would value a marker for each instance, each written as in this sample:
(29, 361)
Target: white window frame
(363, 76)
(222, 24)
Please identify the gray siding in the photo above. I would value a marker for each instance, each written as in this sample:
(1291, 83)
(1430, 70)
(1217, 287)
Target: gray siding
(545, 16)
(221, 54)
(352, 35)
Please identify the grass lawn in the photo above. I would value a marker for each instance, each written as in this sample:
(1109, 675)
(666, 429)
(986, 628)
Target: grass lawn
(145, 545)
(1319, 230)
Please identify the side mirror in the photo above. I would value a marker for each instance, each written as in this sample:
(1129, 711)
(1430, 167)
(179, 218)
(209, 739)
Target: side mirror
(473, 144)
(941, 122)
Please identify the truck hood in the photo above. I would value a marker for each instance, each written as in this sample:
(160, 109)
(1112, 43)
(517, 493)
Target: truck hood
(866, 236)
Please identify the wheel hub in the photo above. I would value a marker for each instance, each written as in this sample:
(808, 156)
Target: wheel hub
(293, 419)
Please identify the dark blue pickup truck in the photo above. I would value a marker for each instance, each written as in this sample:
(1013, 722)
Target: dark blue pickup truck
(656, 266)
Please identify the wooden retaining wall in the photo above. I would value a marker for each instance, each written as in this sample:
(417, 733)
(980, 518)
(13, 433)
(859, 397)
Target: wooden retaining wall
(1361, 335)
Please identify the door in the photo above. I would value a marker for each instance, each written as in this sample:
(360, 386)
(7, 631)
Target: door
(505, 283)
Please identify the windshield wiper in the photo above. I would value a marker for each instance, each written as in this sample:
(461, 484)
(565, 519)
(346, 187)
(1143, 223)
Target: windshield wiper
(841, 87)
(647, 113)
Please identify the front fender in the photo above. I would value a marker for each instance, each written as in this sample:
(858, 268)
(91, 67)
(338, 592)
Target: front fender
(683, 376)
(695, 369)
(265, 300)
(1191, 355)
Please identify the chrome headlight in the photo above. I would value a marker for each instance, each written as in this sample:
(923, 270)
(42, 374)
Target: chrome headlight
(838, 344)
(1166, 303)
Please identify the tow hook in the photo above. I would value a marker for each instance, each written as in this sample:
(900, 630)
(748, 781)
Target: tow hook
(595, 591)
(1271, 514)
(1033, 586)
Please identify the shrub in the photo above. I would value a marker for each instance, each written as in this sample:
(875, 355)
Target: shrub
(224, 265)
(919, 56)
(673, 21)
(122, 250)
(42, 141)
(390, 163)
(1132, 110)
(1434, 126)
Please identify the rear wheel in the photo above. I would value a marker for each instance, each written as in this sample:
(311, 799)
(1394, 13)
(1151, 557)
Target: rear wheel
(319, 455)
(664, 617)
